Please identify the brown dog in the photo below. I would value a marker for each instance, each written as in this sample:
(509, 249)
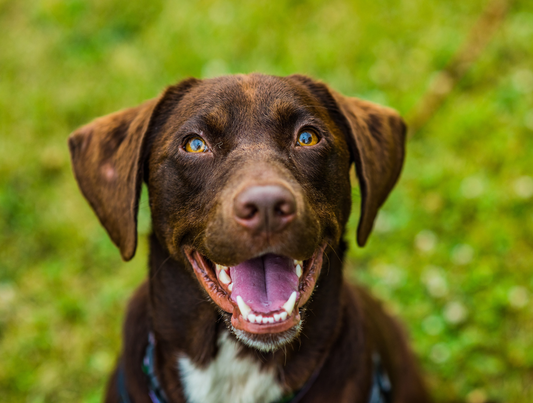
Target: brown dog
(248, 181)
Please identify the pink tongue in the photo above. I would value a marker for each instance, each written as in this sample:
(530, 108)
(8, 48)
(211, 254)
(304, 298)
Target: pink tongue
(264, 283)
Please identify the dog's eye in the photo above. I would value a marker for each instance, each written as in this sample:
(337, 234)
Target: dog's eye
(195, 145)
(307, 138)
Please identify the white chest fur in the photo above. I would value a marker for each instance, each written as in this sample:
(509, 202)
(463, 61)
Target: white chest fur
(228, 378)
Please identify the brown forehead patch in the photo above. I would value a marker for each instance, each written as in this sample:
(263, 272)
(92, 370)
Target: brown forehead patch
(248, 87)
(282, 110)
(217, 118)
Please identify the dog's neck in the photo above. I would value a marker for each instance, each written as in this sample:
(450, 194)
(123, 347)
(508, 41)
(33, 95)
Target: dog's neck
(187, 324)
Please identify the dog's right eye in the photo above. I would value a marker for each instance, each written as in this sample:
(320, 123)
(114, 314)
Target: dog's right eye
(196, 145)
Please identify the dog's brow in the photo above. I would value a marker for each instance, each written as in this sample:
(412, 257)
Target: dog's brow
(288, 114)
(283, 110)
(217, 119)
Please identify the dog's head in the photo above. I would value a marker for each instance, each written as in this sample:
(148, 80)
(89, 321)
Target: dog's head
(248, 180)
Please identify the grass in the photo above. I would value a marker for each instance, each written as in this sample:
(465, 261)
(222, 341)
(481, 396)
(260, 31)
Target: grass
(451, 253)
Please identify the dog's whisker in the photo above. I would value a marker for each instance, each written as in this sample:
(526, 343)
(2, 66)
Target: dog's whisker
(159, 268)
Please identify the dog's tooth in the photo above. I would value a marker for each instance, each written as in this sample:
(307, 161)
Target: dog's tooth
(270, 320)
(258, 319)
(245, 309)
(299, 270)
(251, 318)
(221, 268)
(289, 305)
(277, 317)
(265, 320)
(283, 315)
(230, 287)
(223, 277)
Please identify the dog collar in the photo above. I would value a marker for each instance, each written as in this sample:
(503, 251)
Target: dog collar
(157, 395)
(379, 393)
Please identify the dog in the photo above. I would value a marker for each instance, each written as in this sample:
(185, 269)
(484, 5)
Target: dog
(249, 189)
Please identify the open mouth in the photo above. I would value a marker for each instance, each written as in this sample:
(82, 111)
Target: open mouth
(263, 294)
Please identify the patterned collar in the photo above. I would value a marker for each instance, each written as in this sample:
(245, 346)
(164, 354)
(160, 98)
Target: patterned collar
(379, 393)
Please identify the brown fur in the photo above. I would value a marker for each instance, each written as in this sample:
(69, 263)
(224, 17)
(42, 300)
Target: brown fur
(250, 124)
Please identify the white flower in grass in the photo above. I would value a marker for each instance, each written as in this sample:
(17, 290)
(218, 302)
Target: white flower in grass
(440, 353)
(472, 187)
(462, 254)
(523, 187)
(425, 241)
(518, 297)
(435, 281)
(455, 312)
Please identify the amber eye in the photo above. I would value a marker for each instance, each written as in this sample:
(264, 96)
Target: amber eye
(195, 145)
(307, 138)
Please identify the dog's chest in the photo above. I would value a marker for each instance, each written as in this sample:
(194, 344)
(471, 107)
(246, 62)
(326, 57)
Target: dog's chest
(228, 378)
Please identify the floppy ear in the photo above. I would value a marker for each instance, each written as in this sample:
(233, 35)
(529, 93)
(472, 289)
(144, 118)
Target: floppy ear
(376, 137)
(107, 161)
(107, 158)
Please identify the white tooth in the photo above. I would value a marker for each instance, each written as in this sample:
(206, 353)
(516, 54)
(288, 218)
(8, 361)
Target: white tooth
(230, 287)
(299, 270)
(270, 320)
(265, 320)
(245, 309)
(289, 305)
(258, 319)
(277, 317)
(251, 318)
(223, 276)
(283, 315)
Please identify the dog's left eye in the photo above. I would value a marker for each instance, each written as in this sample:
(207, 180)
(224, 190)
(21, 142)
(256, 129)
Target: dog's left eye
(307, 138)
(196, 145)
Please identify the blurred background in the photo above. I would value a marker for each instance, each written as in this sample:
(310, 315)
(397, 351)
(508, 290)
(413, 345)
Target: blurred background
(451, 253)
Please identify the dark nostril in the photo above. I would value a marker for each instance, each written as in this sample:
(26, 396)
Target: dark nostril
(264, 208)
(247, 212)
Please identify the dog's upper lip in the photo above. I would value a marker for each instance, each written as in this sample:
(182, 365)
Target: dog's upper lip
(251, 310)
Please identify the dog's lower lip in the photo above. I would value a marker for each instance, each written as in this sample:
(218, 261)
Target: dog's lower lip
(217, 281)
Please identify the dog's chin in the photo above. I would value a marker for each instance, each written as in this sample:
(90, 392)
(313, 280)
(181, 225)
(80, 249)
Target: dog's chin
(262, 299)
(266, 342)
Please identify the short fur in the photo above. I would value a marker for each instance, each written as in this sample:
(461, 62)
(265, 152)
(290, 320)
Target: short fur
(250, 123)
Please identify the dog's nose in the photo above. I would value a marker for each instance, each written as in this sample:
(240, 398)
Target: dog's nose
(267, 208)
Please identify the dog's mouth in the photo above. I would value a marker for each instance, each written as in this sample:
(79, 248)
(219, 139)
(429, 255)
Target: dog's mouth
(263, 294)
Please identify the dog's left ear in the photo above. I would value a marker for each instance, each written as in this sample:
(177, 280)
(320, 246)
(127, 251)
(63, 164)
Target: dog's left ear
(108, 155)
(106, 159)
(376, 138)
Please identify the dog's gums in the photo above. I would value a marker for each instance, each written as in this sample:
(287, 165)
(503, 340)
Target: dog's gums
(263, 295)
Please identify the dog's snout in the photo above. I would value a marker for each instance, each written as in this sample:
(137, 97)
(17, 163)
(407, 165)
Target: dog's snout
(266, 208)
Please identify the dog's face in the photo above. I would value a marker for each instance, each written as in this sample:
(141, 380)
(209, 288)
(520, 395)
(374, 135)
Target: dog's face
(248, 179)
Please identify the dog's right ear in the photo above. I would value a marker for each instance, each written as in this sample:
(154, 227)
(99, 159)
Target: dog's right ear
(107, 157)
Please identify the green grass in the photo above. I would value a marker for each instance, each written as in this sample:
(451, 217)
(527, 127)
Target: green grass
(451, 253)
